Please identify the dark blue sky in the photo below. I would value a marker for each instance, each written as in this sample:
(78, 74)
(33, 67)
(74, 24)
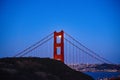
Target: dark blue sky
(95, 23)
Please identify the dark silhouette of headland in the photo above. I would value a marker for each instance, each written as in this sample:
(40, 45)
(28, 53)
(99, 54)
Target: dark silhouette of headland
(25, 68)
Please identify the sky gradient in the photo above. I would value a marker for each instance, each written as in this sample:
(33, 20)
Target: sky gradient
(95, 23)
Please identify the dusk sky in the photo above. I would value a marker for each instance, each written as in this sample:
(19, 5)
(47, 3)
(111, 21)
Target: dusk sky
(94, 23)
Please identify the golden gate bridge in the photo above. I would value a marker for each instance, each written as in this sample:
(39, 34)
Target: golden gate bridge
(62, 46)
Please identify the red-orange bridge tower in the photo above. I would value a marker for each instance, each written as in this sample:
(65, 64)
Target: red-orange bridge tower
(59, 46)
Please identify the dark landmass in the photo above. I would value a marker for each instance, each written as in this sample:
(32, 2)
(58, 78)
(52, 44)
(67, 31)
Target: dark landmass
(38, 69)
(107, 66)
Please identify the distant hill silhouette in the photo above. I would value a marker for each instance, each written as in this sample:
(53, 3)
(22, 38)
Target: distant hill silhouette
(107, 66)
(37, 69)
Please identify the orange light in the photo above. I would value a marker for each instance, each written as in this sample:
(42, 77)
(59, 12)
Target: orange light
(59, 36)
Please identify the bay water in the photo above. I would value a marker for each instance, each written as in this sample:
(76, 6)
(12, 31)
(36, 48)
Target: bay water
(101, 75)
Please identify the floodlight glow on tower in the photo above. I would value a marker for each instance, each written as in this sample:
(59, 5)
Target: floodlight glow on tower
(59, 36)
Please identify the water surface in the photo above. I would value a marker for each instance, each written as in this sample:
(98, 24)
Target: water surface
(98, 75)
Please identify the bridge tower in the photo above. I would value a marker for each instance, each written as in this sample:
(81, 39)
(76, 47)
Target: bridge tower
(59, 46)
